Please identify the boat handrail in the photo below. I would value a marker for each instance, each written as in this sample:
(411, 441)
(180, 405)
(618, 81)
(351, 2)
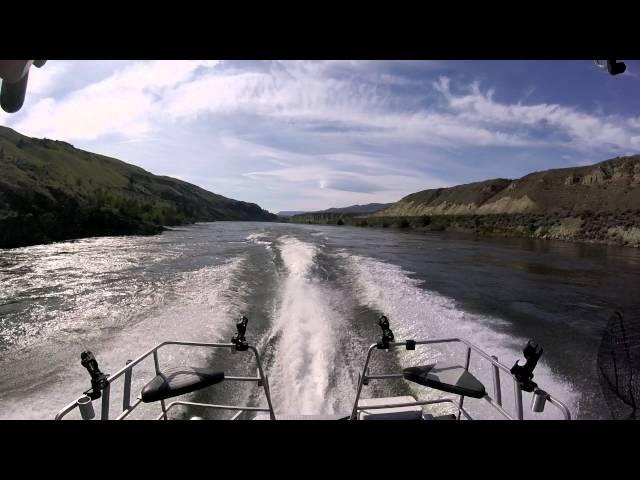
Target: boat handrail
(540, 396)
(127, 407)
(495, 402)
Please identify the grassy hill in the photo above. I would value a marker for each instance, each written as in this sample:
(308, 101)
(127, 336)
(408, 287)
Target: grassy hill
(596, 203)
(604, 187)
(51, 191)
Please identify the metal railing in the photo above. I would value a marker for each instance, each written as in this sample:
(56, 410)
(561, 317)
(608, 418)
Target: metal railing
(127, 407)
(540, 396)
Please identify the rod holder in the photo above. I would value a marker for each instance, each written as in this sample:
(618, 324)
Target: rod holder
(239, 339)
(86, 407)
(538, 400)
(387, 334)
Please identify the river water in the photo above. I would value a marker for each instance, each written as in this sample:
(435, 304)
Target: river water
(313, 295)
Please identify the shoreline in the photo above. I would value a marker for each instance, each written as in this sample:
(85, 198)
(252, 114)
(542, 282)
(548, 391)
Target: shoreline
(613, 229)
(146, 232)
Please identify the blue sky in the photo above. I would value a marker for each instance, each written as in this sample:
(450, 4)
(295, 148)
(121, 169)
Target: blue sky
(306, 135)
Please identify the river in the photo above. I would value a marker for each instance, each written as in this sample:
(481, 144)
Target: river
(313, 295)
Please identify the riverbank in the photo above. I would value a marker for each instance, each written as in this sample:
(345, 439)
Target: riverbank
(610, 228)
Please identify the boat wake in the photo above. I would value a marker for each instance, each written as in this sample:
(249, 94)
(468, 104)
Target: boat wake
(308, 373)
(416, 313)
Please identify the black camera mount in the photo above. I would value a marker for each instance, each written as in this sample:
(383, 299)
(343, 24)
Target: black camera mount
(99, 380)
(238, 339)
(387, 334)
(524, 373)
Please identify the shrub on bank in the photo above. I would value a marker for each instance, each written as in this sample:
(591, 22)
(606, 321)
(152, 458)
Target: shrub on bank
(619, 227)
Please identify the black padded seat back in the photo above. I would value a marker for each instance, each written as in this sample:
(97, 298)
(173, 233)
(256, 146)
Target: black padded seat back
(447, 377)
(178, 381)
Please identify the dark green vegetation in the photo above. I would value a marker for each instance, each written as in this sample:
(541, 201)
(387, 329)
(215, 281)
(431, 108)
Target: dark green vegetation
(622, 227)
(596, 203)
(51, 191)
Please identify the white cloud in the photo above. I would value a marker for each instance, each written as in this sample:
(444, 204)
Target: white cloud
(634, 122)
(367, 184)
(43, 80)
(296, 96)
(314, 187)
(145, 98)
(369, 111)
(127, 103)
(585, 130)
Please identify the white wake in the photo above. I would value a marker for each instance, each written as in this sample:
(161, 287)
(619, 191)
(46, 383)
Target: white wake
(308, 375)
(416, 313)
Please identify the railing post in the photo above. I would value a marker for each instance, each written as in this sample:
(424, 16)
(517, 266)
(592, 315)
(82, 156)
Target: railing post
(126, 395)
(497, 391)
(265, 386)
(354, 412)
(466, 367)
(156, 363)
(518, 399)
(105, 402)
